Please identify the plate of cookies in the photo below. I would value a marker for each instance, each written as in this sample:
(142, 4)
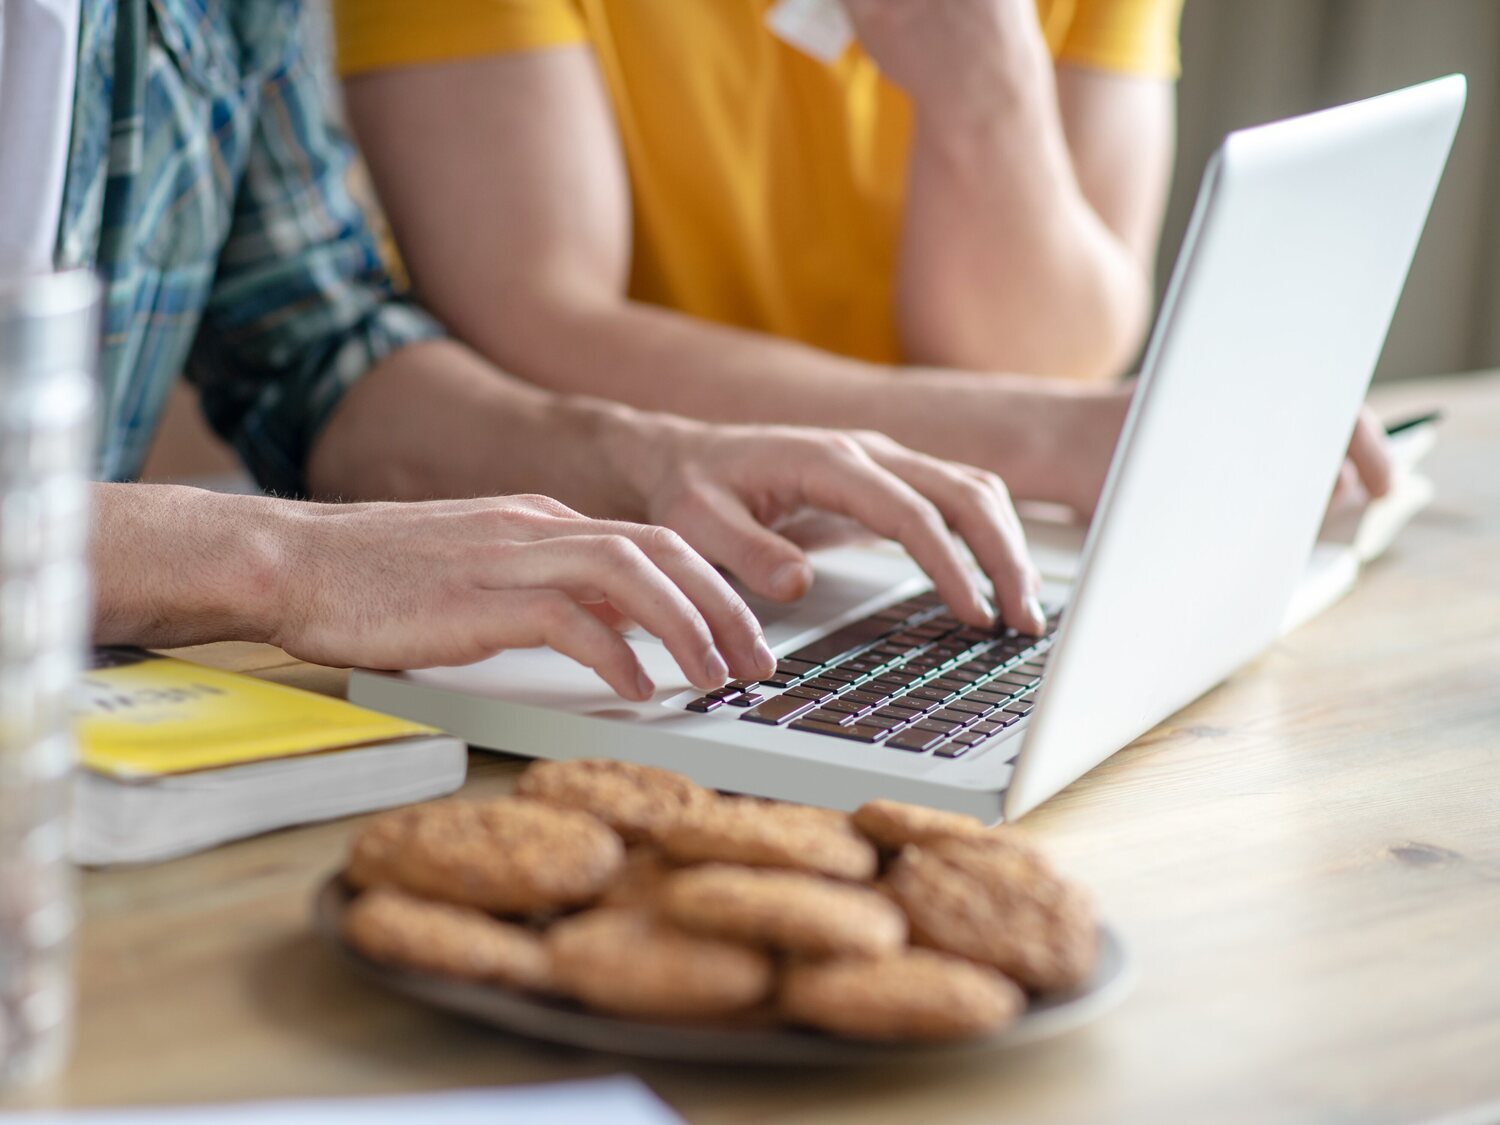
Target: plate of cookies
(622, 908)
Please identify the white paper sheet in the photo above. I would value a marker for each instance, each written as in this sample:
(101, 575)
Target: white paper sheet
(620, 1101)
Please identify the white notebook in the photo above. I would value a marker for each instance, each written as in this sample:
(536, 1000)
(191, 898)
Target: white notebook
(1352, 535)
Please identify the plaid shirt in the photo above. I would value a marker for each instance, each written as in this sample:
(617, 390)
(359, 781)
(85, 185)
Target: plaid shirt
(208, 187)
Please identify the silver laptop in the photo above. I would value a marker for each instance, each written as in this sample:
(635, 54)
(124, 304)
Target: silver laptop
(1263, 351)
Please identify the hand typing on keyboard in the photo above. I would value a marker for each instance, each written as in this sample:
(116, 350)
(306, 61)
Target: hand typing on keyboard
(730, 490)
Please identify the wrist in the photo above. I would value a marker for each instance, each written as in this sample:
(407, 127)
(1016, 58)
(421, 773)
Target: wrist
(178, 566)
(980, 94)
(630, 454)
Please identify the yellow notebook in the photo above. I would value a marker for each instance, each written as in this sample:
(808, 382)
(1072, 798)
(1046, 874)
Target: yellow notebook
(180, 757)
(140, 715)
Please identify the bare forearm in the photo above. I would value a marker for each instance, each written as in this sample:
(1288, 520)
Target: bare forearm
(435, 420)
(1005, 263)
(657, 359)
(179, 566)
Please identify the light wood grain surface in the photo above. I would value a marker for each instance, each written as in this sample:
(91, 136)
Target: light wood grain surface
(1305, 864)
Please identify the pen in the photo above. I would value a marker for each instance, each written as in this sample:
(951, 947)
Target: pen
(1412, 423)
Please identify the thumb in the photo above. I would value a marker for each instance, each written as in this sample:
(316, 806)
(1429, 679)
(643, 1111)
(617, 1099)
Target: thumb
(725, 532)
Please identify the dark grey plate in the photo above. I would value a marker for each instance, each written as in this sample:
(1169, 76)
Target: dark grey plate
(560, 1021)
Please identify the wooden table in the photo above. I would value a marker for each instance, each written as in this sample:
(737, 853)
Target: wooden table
(1305, 864)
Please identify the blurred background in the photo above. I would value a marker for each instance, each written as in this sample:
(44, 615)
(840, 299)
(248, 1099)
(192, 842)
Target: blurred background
(1247, 62)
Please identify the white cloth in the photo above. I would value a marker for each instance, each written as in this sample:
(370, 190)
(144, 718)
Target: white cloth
(38, 68)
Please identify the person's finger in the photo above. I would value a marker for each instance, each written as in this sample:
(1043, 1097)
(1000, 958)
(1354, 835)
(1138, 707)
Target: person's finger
(533, 618)
(717, 523)
(844, 479)
(1346, 487)
(1371, 453)
(584, 566)
(978, 507)
(735, 630)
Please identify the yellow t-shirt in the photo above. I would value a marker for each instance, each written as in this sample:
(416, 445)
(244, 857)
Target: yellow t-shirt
(767, 186)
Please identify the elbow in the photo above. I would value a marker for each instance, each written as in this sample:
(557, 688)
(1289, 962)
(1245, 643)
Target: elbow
(1089, 332)
(1121, 318)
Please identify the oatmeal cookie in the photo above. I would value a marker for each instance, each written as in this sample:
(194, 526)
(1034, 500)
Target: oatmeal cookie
(1002, 906)
(641, 879)
(785, 910)
(894, 824)
(395, 928)
(771, 834)
(915, 994)
(506, 855)
(630, 962)
(639, 802)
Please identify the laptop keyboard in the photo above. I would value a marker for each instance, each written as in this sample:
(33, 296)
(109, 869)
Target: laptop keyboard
(910, 677)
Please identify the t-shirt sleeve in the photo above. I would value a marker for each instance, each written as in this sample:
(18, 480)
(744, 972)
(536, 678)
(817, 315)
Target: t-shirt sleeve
(1127, 36)
(377, 34)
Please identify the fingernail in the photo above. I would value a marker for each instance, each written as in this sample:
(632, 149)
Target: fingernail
(643, 683)
(1038, 615)
(714, 666)
(764, 657)
(986, 605)
(789, 579)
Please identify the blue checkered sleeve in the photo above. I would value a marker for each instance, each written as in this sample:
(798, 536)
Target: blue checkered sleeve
(302, 305)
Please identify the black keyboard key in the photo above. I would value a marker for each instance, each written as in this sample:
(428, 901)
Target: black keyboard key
(825, 684)
(781, 709)
(957, 718)
(722, 693)
(807, 691)
(988, 695)
(998, 722)
(969, 737)
(866, 695)
(881, 721)
(823, 715)
(843, 641)
(936, 726)
(841, 675)
(787, 666)
(1016, 678)
(970, 707)
(1021, 706)
(776, 679)
(912, 707)
(1032, 667)
(846, 706)
(952, 685)
(704, 705)
(748, 699)
(936, 695)
(856, 733)
(890, 685)
(951, 750)
(914, 740)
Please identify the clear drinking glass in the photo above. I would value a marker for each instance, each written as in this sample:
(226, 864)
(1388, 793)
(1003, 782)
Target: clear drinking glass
(48, 352)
